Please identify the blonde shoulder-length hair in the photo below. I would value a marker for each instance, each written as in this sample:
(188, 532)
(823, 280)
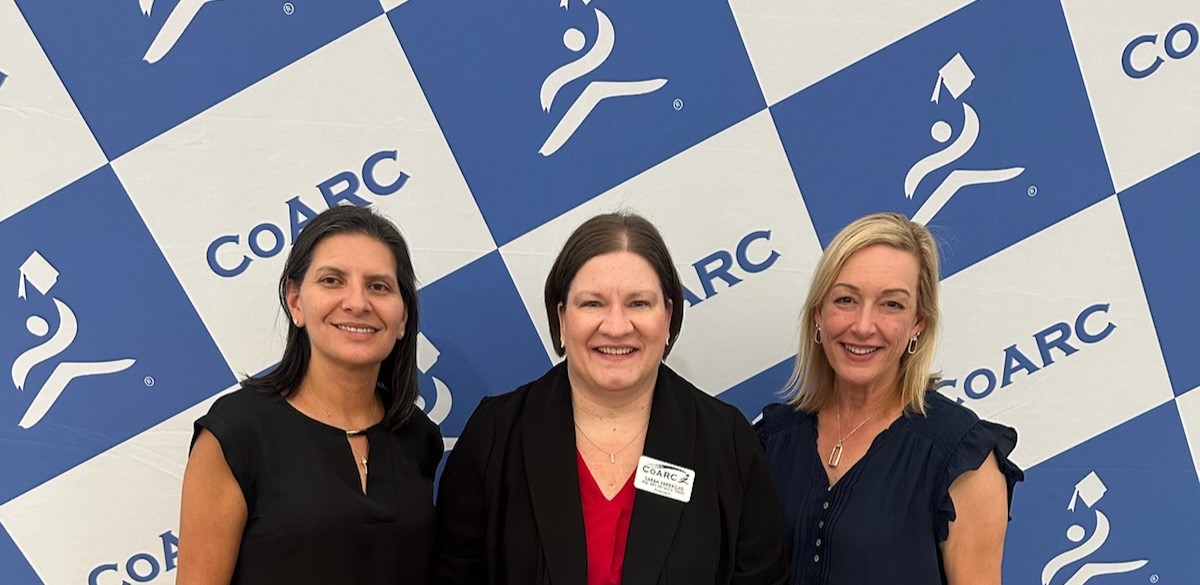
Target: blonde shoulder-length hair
(811, 382)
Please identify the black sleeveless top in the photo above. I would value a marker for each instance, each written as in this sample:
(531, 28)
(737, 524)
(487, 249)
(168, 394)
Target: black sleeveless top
(309, 520)
(884, 519)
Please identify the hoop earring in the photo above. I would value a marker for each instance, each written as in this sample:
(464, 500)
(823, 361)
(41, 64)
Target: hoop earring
(817, 337)
(912, 345)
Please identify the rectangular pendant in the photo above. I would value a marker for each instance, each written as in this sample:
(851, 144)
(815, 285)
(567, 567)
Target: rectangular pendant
(835, 456)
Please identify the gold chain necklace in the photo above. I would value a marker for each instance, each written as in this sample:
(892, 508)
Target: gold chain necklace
(835, 455)
(360, 459)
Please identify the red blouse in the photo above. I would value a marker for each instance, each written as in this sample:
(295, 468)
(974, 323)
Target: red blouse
(606, 524)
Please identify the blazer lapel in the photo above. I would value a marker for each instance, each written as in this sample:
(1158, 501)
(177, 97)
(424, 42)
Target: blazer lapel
(548, 441)
(670, 438)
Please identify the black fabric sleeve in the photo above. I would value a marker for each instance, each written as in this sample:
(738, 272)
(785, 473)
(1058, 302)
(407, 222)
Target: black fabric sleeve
(759, 552)
(218, 422)
(461, 556)
(430, 447)
(982, 439)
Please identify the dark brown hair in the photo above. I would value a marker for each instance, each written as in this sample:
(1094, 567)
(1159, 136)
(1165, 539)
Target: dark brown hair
(397, 382)
(622, 231)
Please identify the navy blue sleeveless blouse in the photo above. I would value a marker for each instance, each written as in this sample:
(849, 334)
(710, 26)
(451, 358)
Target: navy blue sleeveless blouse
(884, 519)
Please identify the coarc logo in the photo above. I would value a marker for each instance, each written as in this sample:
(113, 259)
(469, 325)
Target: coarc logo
(179, 19)
(39, 273)
(956, 76)
(596, 90)
(427, 356)
(670, 472)
(1090, 489)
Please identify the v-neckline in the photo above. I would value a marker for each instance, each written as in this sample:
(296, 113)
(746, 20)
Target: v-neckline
(360, 486)
(590, 479)
(830, 484)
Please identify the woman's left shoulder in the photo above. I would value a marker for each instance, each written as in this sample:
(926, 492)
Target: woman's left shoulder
(965, 442)
(419, 423)
(950, 425)
(942, 411)
(944, 422)
(424, 438)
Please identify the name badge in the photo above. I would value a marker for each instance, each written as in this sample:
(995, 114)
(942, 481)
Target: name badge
(664, 479)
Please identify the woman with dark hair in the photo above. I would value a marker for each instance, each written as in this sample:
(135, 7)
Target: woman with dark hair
(321, 471)
(611, 468)
(881, 478)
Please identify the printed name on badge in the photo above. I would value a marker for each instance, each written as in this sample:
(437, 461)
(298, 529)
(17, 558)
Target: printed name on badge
(664, 479)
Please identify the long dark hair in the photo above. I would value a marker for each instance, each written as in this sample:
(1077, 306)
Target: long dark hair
(397, 382)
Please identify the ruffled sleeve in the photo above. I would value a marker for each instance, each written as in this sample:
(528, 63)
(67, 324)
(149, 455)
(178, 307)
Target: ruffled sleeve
(980, 439)
(770, 422)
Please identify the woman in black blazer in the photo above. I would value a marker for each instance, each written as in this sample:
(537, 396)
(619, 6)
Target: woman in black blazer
(610, 469)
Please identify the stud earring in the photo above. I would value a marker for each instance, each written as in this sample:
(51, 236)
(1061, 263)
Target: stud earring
(817, 337)
(912, 345)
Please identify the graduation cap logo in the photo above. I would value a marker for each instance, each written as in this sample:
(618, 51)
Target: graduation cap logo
(427, 353)
(36, 270)
(956, 75)
(1090, 489)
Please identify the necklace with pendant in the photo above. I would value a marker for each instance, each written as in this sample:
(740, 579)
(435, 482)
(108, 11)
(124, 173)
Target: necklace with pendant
(360, 459)
(835, 455)
(612, 455)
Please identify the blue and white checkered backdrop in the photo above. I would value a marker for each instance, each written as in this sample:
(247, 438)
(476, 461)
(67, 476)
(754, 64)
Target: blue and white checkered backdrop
(159, 156)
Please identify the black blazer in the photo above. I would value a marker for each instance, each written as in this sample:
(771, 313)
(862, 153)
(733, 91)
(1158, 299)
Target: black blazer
(509, 512)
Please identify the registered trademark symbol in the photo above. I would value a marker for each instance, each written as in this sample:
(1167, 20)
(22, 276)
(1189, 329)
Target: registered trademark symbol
(1032, 190)
(1154, 578)
(677, 104)
(288, 9)
(148, 381)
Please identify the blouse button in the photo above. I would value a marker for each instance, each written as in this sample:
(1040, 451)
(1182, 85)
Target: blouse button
(816, 558)
(821, 524)
(818, 543)
(825, 506)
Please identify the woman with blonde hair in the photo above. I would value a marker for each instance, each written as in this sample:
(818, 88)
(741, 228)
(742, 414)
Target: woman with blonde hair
(881, 478)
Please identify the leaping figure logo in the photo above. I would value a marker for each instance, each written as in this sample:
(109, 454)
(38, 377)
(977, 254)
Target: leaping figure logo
(172, 29)
(39, 273)
(1090, 489)
(596, 91)
(956, 76)
(427, 356)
